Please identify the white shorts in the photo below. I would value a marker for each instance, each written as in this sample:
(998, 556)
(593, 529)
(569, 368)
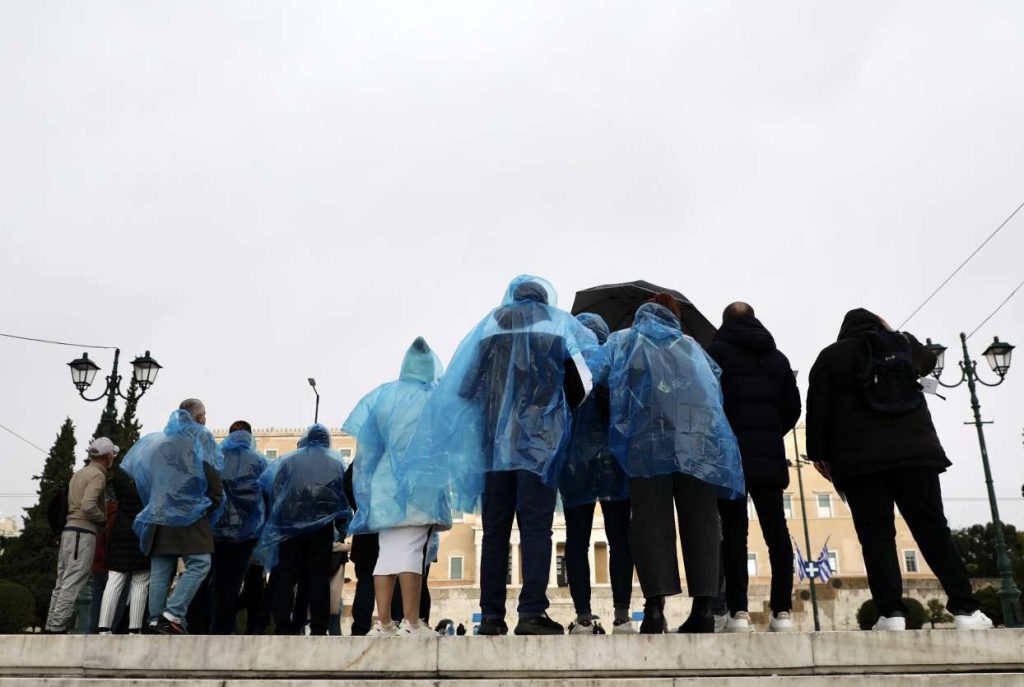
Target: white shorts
(402, 550)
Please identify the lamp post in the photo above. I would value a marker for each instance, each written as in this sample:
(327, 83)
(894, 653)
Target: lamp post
(807, 532)
(316, 413)
(998, 355)
(83, 371)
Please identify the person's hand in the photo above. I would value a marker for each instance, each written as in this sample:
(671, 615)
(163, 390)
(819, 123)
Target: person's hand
(822, 468)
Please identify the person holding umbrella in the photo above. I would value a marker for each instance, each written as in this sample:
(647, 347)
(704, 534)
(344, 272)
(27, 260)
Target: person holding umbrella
(497, 427)
(591, 475)
(669, 433)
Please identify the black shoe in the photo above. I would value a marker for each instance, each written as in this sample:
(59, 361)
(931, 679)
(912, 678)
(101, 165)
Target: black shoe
(54, 632)
(149, 627)
(169, 627)
(654, 622)
(539, 625)
(493, 627)
(702, 617)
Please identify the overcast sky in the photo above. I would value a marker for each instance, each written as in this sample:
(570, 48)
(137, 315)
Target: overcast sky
(263, 192)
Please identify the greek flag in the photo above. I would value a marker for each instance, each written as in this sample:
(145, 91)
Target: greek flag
(801, 564)
(825, 571)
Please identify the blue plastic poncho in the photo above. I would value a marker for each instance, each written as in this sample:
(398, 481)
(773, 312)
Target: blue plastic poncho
(244, 510)
(383, 424)
(590, 472)
(501, 404)
(305, 491)
(666, 405)
(168, 471)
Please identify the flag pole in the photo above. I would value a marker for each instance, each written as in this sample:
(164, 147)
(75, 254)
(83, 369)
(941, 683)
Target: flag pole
(807, 533)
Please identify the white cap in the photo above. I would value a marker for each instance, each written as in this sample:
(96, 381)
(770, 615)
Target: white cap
(103, 447)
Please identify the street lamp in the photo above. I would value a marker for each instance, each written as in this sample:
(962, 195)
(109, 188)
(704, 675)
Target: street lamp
(316, 413)
(83, 372)
(998, 355)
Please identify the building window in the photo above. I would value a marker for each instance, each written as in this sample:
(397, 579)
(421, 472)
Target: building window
(824, 505)
(787, 505)
(910, 561)
(752, 564)
(346, 453)
(833, 562)
(455, 567)
(271, 453)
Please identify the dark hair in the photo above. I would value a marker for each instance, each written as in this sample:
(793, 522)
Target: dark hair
(737, 309)
(669, 302)
(240, 424)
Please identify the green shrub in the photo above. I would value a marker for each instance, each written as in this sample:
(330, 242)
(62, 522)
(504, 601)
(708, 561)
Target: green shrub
(991, 605)
(17, 607)
(867, 614)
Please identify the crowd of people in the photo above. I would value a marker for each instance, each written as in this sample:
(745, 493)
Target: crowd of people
(535, 405)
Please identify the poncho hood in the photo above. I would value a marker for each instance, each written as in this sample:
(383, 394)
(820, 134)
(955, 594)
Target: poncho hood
(316, 435)
(421, 364)
(527, 287)
(657, 322)
(859, 321)
(747, 332)
(239, 439)
(596, 324)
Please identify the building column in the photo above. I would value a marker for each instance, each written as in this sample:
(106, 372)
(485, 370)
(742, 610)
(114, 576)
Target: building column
(593, 565)
(478, 545)
(516, 563)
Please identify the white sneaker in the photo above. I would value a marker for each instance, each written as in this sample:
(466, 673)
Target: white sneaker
(420, 629)
(781, 622)
(894, 624)
(739, 622)
(586, 627)
(381, 630)
(721, 622)
(624, 627)
(974, 621)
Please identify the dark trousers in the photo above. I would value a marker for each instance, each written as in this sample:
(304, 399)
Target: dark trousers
(230, 562)
(916, 492)
(579, 521)
(772, 517)
(518, 494)
(251, 599)
(652, 534)
(306, 557)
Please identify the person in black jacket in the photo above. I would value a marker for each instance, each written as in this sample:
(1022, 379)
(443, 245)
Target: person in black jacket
(762, 402)
(883, 451)
(125, 560)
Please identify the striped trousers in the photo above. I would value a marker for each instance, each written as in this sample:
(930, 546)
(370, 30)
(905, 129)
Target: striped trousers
(138, 600)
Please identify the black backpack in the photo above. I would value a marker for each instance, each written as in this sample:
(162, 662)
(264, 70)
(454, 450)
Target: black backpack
(57, 513)
(889, 382)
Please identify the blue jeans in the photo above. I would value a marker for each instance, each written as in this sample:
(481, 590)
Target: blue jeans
(162, 569)
(522, 494)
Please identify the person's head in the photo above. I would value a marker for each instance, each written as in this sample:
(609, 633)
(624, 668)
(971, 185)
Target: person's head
(737, 309)
(527, 288)
(240, 425)
(195, 408)
(596, 324)
(102, 451)
(316, 435)
(666, 300)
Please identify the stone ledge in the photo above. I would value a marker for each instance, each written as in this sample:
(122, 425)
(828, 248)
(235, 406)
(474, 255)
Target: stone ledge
(501, 660)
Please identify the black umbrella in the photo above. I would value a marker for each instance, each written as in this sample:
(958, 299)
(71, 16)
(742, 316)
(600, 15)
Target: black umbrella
(618, 303)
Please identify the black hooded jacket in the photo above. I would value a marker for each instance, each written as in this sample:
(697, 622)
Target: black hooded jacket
(844, 431)
(762, 400)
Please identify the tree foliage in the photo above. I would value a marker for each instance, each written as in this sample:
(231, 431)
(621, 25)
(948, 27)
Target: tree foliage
(937, 613)
(867, 614)
(17, 607)
(977, 545)
(31, 559)
(128, 427)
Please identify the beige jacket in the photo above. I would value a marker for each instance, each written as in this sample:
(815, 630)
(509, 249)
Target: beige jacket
(87, 501)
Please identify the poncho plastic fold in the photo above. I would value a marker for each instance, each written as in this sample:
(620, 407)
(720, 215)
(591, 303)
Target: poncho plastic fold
(304, 491)
(501, 404)
(383, 424)
(666, 405)
(590, 472)
(168, 471)
(244, 511)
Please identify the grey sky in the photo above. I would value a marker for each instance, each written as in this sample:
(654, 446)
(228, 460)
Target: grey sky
(262, 192)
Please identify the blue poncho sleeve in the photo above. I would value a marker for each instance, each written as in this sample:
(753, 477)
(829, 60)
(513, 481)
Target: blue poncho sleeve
(168, 471)
(666, 405)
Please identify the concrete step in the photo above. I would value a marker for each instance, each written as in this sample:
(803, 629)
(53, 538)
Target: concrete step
(937, 658)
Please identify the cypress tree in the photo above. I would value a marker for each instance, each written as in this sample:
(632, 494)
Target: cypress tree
(128, 428)
(31, 558)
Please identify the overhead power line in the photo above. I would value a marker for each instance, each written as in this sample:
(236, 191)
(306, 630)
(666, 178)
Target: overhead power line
(961, 266)
(998, 308)
(8, 429)
(58, 343)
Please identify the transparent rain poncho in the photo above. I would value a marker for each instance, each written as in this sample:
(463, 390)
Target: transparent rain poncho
(168, 471)
(304, 491)
(383, 424)
(501, 404)
(666, 405)
(590, 472)
(244, 510)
